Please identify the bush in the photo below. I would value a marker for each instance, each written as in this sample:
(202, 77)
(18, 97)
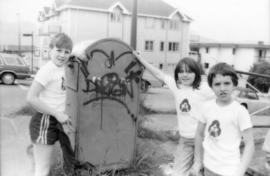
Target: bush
(260, 83)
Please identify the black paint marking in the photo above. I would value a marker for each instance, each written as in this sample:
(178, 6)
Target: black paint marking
(110, 61)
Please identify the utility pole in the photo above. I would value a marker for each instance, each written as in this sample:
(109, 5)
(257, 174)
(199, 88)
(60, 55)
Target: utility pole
(19, 32)
(32, 48)
(133, 38)
(133, 43)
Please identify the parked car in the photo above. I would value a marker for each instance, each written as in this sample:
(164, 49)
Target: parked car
(247, 93)
(12, 67)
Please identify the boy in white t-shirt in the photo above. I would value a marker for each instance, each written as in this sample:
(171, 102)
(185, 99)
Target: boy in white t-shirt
(266, 149)
(47, 96)
(223, 122)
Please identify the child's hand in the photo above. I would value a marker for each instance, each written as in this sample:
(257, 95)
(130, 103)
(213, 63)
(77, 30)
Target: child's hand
(68, 128)
(65, 120)
(80, 54)
(61, 117)
(137, 54)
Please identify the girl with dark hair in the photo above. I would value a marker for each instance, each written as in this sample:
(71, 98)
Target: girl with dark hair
(189, 96)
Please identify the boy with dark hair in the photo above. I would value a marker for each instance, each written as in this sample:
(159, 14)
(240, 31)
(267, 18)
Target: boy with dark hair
(47, 96)
(217, 149)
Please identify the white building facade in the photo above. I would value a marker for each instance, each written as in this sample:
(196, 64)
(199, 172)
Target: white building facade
(240, 56)
(162, 30)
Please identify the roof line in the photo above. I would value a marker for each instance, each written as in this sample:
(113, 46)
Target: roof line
(110, 10)
(125, 11)
(184, 17)
(229, 45)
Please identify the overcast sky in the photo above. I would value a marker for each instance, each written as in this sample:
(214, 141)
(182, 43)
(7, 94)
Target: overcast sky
(220, 20)
(228, 20)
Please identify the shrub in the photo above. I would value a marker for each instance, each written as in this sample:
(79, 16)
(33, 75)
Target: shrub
(260, 83)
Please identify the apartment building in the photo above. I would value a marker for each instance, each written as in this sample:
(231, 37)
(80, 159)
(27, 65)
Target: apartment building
(241, 55)
(162, 30)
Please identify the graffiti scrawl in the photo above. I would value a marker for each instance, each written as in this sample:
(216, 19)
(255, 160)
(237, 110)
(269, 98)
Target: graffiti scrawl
(110, 86)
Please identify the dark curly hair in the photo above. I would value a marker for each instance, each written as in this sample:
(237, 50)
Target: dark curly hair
(222, 69)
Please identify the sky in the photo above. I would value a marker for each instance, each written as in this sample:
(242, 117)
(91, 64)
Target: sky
(27, 9)
(228, 20)
(219, 20)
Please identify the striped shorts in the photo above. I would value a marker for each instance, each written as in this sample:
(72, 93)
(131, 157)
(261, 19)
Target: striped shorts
(44, 129)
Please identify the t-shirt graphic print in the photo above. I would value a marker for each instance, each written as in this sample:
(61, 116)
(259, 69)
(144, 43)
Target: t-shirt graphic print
(185, 106)
(214, 129)
(63, 86)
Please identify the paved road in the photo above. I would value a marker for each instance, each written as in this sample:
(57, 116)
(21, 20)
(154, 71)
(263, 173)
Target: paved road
(15, 139)
(14, 131)
(12, 97)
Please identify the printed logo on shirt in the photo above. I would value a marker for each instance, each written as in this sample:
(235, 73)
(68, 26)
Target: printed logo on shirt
(185, 106)
(214, 129)
(63, 87)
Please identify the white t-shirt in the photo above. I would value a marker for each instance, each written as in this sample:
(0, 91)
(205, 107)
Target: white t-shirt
(266, 144)
(224, 125)
(52, 78)
(188, 103)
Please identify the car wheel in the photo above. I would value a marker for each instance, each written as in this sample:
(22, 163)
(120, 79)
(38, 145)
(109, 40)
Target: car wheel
(8, 78)
(144, 86)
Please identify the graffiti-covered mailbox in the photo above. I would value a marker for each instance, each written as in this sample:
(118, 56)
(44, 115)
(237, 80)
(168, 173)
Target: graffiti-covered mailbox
(103, 90)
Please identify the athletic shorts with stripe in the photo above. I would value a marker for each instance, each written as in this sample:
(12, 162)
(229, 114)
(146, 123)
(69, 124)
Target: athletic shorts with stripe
(44, 129)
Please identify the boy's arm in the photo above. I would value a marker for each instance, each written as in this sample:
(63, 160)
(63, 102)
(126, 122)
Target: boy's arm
(248, 150)
(37, 104)
(198, 152)
(153, 70)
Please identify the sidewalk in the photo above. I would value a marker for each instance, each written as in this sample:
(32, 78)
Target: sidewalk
(15, 139)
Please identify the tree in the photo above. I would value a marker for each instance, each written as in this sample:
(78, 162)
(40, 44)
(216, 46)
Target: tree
(260, 83)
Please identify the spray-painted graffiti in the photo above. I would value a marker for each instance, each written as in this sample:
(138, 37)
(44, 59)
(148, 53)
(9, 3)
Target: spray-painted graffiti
(110, 86)
(116, 86)
(110, 59)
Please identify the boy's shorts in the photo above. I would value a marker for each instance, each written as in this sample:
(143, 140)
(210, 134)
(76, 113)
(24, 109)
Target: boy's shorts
(44, 129)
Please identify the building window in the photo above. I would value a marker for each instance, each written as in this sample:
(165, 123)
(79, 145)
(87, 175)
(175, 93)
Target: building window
(173, 46)
(161, 47)
(54, 29)
(163, 22)
(116, 16)
(207, 50)
(261, 54)
(206, 65)
(174, 24)
(160, 66)
(149, 45)
(233, 51)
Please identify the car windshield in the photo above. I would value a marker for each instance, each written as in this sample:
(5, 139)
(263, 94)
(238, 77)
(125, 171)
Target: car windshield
(13, 61)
